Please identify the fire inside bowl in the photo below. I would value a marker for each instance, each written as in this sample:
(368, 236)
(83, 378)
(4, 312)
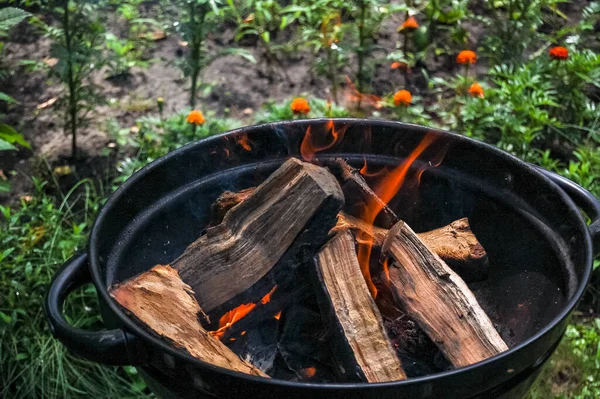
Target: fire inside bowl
(538, 246)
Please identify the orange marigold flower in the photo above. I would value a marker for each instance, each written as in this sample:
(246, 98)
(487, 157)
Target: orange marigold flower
(476, 90)
(195, 117)
(398, 64)
(466, 57)
(402, 97)
(410, 24)
(559, 53)
(300, 106)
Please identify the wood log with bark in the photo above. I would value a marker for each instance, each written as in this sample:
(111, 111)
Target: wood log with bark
(165, 305)
(454, 243)
(266, 236)
(362, 344)
(225, 202)
(358, 193)
(291, 212)
(439, 300)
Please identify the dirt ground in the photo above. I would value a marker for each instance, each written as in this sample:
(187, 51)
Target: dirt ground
(235, 83)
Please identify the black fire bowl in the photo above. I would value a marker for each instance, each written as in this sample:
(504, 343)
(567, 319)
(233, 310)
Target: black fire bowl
(528, 219)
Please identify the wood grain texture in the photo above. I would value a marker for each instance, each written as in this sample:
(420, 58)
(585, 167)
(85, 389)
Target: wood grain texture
(358, 193)
(225, 202)
(439, 300)
(455, 244)
(459, 248)
(166, 305)
(298, 199)
(363, 345)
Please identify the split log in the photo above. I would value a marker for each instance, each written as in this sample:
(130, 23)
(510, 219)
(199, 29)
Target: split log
(289, 213)
(439, 300)
(225, 202)
(358, 193)
(363, 347)
(166, 305)
(454, 243)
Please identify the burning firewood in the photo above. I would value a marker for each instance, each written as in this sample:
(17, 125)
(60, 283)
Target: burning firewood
(358, 193)
(251, 271)
(455, 244)
(291, 212)
(439, 300)
(166, 305)
(355, 188)
(363, 346)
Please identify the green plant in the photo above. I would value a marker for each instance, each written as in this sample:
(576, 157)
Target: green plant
(322, 31)
(76, 46)
(265, 19)
(368, 16)
(9, 17)
(197, 19)
(513, 25)
(446, 16)
(122, 55)
(574, 370)
(318, 108)
(154, 137)
(38, 235)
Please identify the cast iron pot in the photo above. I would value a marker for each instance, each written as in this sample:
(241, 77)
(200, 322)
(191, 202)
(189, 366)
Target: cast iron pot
(528, 219)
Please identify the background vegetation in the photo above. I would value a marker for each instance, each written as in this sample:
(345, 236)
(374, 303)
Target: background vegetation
(398, 60)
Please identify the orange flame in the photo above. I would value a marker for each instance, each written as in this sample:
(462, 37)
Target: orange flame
(242, 140)
(277, 316)
(364, 171)
(236, 314)
(308, 148)
(386, 269)
(309, 372)
(267, 298)
(386, 189)
(354, 96)
(434, 163)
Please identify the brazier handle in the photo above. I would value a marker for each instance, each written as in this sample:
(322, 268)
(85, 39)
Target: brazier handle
(583, 199)
(106, 346)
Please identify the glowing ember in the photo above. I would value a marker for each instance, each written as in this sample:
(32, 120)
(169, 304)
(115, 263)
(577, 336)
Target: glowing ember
(309, 372)
(309, 148)
(236, 314)
(243, 141)
(386, 189)
(267, 298)
(277, 316)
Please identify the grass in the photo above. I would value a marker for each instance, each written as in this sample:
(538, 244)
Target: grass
(38, 236)
(40, 233)
(574, 370)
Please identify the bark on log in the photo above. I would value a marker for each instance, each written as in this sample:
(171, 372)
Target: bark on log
(298, 201)
(363, 346)
(166, 305)
(454, 243)
(225, 202)
(358, 193)
(355, 188)
(439, 300)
